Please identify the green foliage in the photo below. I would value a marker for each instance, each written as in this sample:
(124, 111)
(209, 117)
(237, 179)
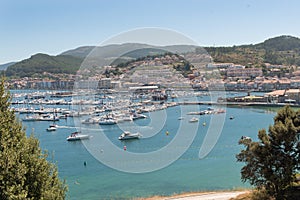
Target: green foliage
(25, 172)
(40, 63)
(272, 162)
(281, 43)
(282, 50)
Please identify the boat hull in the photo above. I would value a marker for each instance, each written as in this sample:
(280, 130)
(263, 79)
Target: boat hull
(129, 136)
(77, 137)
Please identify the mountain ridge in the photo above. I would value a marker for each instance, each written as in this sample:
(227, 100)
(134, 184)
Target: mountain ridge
(6, 65)
(280, 50)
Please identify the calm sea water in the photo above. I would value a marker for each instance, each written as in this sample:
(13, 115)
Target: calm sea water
(217, 171)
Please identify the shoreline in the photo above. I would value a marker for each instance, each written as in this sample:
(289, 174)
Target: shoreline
(222, 194)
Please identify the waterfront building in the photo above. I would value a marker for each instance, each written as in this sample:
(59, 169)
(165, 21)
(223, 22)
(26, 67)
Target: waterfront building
(284, 96)
(105, 83)
(276, 96)
(292, 96)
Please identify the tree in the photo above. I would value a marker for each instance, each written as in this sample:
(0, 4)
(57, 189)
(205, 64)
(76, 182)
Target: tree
(25, 172)
(272, 162)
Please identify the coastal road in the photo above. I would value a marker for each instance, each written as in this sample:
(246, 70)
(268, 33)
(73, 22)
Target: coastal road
(207, 196)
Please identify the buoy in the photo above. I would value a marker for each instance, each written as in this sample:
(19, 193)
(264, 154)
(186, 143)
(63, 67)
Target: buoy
(84, 163)
(167, 132)
(125, 148)
(204, 124)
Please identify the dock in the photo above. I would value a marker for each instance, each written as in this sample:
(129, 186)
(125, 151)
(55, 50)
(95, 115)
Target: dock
(237, 103)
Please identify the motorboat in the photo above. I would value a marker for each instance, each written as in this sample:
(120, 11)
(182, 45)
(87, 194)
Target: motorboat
(194, 119)
(138, 116)
(46, 117)
(52, 127)
(107, 121)
(77, 136)
(32, 118)
(124, 119)
(90, 120)
(245, 138)
(126, 135)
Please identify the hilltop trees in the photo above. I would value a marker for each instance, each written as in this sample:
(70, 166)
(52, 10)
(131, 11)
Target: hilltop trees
(272, 162)
(25, 172)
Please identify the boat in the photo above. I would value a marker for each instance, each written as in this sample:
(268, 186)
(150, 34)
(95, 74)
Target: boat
(126, 135)
(32, 118)
(124, 119)
(90, 120)
(245, 138)
(194, 119)
(107, 121)
(52, 127)
(77, 136)
(47, 117)
(138, 116)
(180, 118)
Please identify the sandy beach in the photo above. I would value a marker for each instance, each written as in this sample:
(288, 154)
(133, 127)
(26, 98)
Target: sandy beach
(201, 196)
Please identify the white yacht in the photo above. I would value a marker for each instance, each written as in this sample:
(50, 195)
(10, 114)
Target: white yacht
(77, 136)
(194, 119)
(107, 121)
(126, 135)
(52, 127)
(90, 120)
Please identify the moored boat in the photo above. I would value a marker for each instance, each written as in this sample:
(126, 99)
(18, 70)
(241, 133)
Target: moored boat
(126, 135)
(107, 121)
(194, 119)
(91, 120)
(32, 118)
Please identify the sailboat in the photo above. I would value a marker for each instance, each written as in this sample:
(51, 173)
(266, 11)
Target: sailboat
(77, 134)
(53, 127)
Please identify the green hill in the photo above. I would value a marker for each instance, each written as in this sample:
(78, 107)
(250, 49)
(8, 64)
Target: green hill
(281, 43)
(6, 65)
(282, 50)
(40, 63)
(69, 61)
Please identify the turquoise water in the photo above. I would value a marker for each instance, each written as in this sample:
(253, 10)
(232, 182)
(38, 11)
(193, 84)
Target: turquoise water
(217, 171)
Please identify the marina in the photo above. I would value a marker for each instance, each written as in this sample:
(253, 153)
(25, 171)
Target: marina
(149, 100)
(88, 178)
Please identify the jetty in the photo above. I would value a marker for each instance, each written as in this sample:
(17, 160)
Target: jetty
(265, 104)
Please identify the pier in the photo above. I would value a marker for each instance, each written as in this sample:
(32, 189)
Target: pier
(237, 103)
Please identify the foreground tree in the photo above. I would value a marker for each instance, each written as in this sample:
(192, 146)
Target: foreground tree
(272, 162)
(25, 172)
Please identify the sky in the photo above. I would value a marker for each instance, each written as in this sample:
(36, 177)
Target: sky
(54, 26)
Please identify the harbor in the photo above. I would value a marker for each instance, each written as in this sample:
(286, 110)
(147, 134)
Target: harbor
(84, 173)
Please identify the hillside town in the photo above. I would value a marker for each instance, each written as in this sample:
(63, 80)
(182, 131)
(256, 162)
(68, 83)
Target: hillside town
(230, 76)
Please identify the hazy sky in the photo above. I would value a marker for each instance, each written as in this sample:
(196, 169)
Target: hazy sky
(53, 26)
